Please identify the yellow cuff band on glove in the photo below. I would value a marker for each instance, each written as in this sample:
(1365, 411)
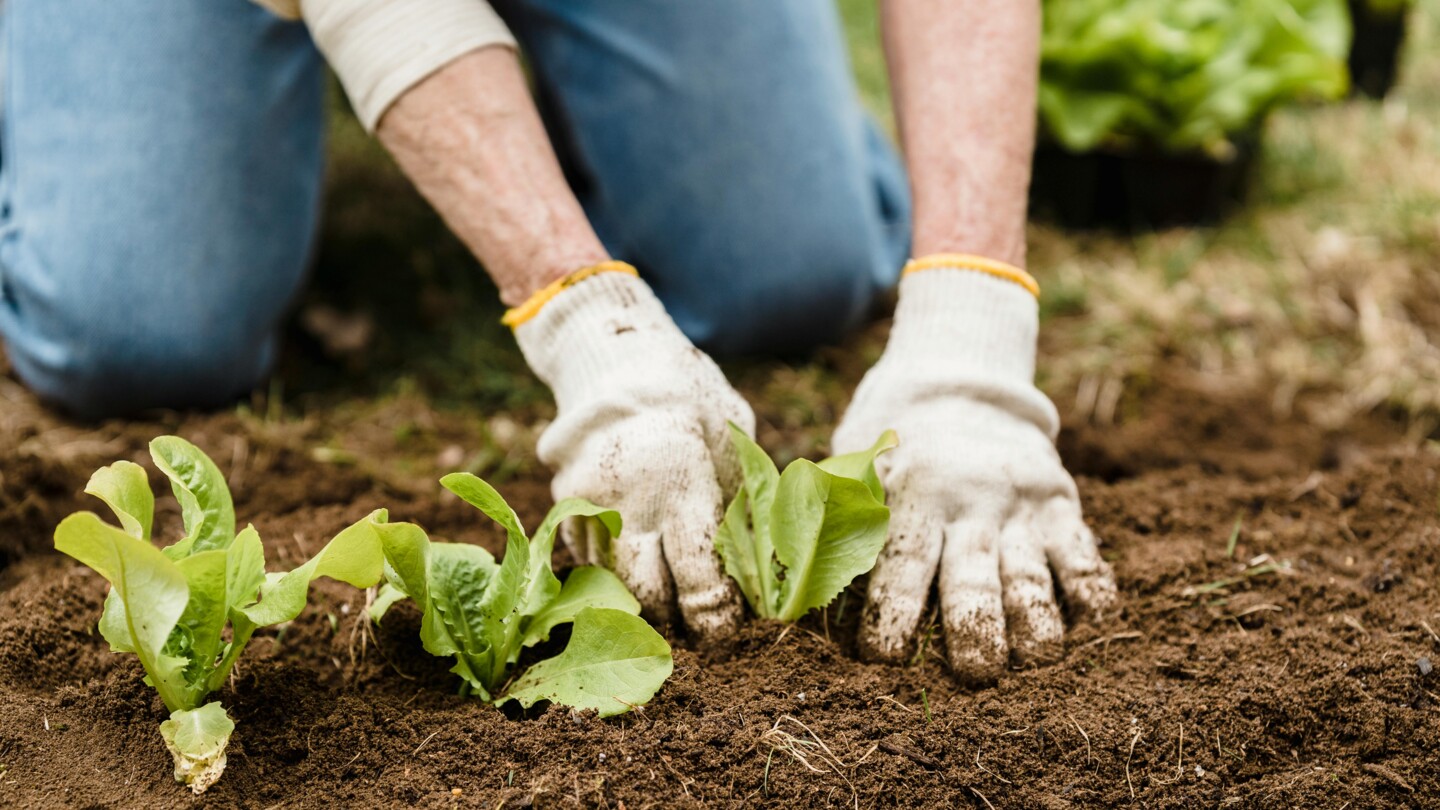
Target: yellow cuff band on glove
(532, 306)
(980, 264)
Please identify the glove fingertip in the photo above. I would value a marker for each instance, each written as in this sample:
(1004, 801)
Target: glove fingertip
(977, 651)
(658, 613)
(887, 634)
(1091, 596)
(879, 650)
(637, 559)
(1035, 632)
(1086, 580)
(717, 626)
(975, 671)
(1036, 650)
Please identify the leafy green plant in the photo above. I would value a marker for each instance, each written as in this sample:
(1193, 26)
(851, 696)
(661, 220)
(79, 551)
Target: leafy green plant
(484, 614)
(172, 606)
(793, 541)
(1183, 75)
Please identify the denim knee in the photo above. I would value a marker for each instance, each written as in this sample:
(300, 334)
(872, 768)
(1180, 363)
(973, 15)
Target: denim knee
(80, 352)
(159, 197)
(131, 377)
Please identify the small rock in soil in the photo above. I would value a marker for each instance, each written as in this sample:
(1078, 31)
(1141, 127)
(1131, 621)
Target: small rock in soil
(1384, 579)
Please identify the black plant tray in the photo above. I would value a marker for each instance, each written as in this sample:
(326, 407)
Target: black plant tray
(1137, 190)
(1375, 50)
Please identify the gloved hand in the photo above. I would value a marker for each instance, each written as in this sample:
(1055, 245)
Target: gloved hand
(976, 488)
(641, 428)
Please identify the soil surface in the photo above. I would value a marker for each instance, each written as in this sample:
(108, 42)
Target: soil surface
(1297, 671)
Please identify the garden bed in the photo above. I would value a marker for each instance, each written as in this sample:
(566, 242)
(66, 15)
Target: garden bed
(1222, 680)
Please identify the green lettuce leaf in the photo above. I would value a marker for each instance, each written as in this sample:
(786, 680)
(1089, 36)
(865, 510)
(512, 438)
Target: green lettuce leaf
(500, 609)
(483, 615)
(743, 540)
(353, 556)
(793, 541)
(115, 625)
(149, 586)
(205, 503)
(385, 598)
(244, 569)
(543, 587)
(860, 465)
(586, 587)
(613, 663)
(205, 614)
(197, 739)
(745, 560)
(482, 496)
(828, 530)
(446, 592)
(459, 576)
(124, 487)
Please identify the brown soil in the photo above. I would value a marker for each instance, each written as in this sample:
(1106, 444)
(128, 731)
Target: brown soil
(1308, 687)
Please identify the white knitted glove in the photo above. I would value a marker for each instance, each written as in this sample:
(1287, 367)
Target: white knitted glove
(641, 429)
(976, 487)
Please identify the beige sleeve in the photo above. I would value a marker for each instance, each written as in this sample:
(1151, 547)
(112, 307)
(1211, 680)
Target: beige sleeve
(381, 48)
(289, 9)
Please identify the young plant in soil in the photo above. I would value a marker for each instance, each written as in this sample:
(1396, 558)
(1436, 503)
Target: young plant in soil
(187, 610)
(484, 614)
(793, 541)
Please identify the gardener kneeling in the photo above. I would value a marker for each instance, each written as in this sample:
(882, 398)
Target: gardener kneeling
(162, 172)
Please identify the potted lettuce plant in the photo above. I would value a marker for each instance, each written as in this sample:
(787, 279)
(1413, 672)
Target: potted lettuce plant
(1151, 110)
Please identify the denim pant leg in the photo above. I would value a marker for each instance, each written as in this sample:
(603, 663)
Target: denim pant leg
(721, 147)
(159, 188)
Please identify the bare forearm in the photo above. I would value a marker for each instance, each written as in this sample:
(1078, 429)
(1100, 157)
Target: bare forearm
(964, 74)
(471, 140)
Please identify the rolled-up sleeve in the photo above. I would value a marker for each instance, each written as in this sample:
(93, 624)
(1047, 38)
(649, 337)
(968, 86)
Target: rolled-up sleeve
(381, 48)
(289, 9)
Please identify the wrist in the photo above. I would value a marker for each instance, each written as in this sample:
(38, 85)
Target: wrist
(517, 316)
(584, 333)
(974, 264)
(521, 279)
(1008, 248)
(967, 321)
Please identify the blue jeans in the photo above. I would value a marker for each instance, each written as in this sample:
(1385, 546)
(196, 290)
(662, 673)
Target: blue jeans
(161, 164)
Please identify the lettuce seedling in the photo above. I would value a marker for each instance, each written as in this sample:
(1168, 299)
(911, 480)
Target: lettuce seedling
(172, 606)
(792, 542)
(483, 613)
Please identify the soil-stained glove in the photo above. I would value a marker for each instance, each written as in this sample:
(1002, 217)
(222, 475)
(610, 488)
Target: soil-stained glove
(976, 488)
(641, 428)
